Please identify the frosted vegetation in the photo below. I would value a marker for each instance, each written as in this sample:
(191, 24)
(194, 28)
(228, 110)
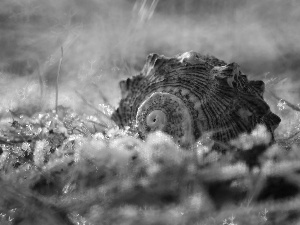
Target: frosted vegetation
(70, 164)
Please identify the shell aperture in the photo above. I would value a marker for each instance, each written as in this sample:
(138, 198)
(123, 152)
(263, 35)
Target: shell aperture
(165, 112)
(156, 120)
(190, 94)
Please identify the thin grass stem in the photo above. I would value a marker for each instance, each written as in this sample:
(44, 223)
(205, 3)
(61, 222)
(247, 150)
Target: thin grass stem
(57, 78)
(41, 84)
(291, 105)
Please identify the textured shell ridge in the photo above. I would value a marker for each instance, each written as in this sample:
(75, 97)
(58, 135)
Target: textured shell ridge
(191, 94)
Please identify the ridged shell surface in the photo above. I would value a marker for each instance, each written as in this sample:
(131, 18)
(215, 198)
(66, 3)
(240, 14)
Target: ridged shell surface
(191, 94)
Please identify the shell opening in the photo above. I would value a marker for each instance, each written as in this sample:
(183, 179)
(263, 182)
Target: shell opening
(156, 120)
(168, 113)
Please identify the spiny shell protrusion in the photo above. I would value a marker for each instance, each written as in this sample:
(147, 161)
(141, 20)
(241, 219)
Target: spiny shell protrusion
(192, 94)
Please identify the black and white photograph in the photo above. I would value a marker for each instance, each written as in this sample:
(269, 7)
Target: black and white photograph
(149, 112)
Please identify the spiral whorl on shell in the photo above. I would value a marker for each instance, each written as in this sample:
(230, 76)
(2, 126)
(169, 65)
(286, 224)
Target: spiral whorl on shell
(190, 94)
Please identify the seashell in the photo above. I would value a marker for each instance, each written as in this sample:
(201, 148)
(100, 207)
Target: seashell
(191, 94)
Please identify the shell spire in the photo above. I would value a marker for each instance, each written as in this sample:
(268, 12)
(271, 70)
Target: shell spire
(190, 94)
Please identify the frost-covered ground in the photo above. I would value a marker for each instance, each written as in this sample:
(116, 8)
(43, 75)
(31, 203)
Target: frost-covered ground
(76, 167)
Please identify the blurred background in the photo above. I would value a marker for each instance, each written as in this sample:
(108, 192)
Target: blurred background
(105, 41)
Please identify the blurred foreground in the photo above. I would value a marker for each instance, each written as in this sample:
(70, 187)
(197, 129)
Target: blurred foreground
(67, 168)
